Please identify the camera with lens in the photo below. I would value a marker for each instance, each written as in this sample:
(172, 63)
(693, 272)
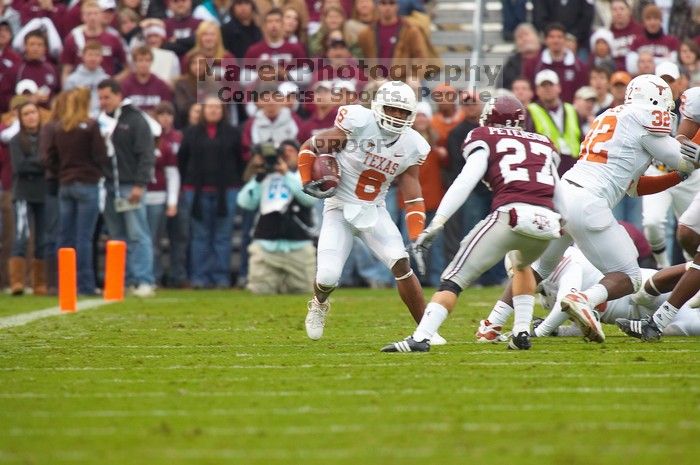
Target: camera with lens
(270, 154)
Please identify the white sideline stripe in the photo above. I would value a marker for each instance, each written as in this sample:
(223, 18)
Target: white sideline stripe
(334, 392)
(510, 363)
(344, 428)
(307, 409)
(24, 318)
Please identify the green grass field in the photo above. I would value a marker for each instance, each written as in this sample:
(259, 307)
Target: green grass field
(226, 377)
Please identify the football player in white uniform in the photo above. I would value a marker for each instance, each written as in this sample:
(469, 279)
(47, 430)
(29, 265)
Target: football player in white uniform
(574, 271)
(372, 148)
(651, 329)
(616, 151)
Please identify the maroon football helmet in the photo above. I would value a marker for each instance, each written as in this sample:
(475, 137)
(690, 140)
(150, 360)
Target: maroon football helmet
(504, 110)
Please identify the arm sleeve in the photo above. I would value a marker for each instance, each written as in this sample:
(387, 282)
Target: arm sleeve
(172, 185)
(293, 181)
(666, 149)
(473, 171)
(249, 196)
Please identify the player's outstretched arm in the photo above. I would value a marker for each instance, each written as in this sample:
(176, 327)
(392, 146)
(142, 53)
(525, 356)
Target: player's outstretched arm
(414, 205)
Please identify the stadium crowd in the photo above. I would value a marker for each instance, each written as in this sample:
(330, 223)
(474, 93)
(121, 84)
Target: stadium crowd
(106, 131)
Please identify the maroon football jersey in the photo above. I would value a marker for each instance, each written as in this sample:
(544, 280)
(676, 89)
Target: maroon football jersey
(520, 165)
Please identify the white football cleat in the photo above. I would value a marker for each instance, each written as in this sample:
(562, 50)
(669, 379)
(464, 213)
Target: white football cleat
(489, 333)
(577, 307)
(437, 340)
(316, 318)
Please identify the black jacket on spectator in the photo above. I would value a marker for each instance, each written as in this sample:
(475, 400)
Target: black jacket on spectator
(512, 70)
(207, 162)
(455, 140)
(575, 15)
(134, 148)
(27, 169)
(237, 37)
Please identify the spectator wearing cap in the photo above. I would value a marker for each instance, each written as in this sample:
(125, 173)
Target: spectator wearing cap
(624, 29)
(53, 10)
(689, 61)
(663, 47)
(144, 89)
(344, 92)
(599, 80)
(216, 11)
(323, 113)
(522, 90)
(575, 16)
(10, 17)
(35, 67)
(114, 56)
(571, 72)
(558, 120)
(242, 31)
(181, 26)
(333, 21)
(163, 191)
(602, 42)
(166, 64)
(618, 87)
(211, 169)
(447, 116)
(282, 256)
(394, 40)
(431, 186)
(527, 47)
(584, 104)
(272, 122)
(89, 74)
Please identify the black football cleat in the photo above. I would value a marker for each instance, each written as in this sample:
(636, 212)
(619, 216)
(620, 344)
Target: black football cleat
(538, 321)
(408, 345)
(645, 329)
(520, 342)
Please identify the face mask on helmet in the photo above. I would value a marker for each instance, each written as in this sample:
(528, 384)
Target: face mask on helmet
(394, 95)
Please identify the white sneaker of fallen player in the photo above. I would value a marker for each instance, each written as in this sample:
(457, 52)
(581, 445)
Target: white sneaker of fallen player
(694, 301)
(437, 340)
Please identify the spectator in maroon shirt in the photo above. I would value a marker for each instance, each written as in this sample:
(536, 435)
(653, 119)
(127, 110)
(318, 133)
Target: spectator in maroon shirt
(8, 59)
(34, 67)
(324, 111)
(181, 26)
(115, 61)
(145, 90)
(571, 71)
(275, 49)
(664, 47)
(624, 30)
(54, 10)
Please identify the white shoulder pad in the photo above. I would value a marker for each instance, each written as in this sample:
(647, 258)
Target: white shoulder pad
(690, 104)
(419, 146)
(351, 118)
(655, 122)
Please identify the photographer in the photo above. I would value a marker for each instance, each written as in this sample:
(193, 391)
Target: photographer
(282, 255)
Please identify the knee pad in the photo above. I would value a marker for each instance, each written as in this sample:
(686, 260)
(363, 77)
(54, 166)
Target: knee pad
(327, 277)
(512, 261)
(450, 286)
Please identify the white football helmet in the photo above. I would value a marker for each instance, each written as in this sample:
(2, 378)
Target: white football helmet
(394, 94)
(649, 90)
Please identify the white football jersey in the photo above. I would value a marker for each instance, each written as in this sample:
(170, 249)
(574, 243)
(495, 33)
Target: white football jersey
(612, 156)
(371, 160)
(690, 104)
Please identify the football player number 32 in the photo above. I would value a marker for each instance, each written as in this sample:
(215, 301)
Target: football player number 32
(516, 154)
(369, 185)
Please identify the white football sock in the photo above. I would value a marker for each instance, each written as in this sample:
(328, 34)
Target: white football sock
(555, 319)
(596, 295)
(433, 317)
(661, 259)
(524, 306)
(500, 313)
(664, 315)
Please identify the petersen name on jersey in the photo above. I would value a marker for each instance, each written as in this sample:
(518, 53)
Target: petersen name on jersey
(371, 160)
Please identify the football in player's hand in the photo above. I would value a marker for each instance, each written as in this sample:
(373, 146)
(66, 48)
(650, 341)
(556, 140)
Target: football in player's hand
(326, 169)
